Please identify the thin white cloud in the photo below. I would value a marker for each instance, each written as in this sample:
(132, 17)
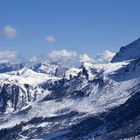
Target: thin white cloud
(33, 59)
(50, 39)
(9, 32)
(103, 57)
(84, 58)
(62, 54)
(8, 56)
(72, 59)
(68, 58)
(64, 57)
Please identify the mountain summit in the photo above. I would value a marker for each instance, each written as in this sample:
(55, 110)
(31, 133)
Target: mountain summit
(128, 52)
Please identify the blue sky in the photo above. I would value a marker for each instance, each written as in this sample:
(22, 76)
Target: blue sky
(84, 26)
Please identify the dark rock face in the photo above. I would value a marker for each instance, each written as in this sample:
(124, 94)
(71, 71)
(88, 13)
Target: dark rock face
(9, 94)
(124, 116)
(14, 97)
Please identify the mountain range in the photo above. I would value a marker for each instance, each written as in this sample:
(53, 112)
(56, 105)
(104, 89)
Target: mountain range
(100, 100)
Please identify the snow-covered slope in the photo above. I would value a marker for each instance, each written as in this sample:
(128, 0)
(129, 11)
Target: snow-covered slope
(72, 72)
(131, 51)
(28, 76)
(18, 88)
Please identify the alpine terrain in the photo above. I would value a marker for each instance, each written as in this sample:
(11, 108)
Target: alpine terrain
(48, 101)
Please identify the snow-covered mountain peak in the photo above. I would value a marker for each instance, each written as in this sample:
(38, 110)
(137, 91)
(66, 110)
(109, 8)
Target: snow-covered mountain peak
(23, 72)
(46, 67)
(28, 76)
(87, 65)
(129, 52)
